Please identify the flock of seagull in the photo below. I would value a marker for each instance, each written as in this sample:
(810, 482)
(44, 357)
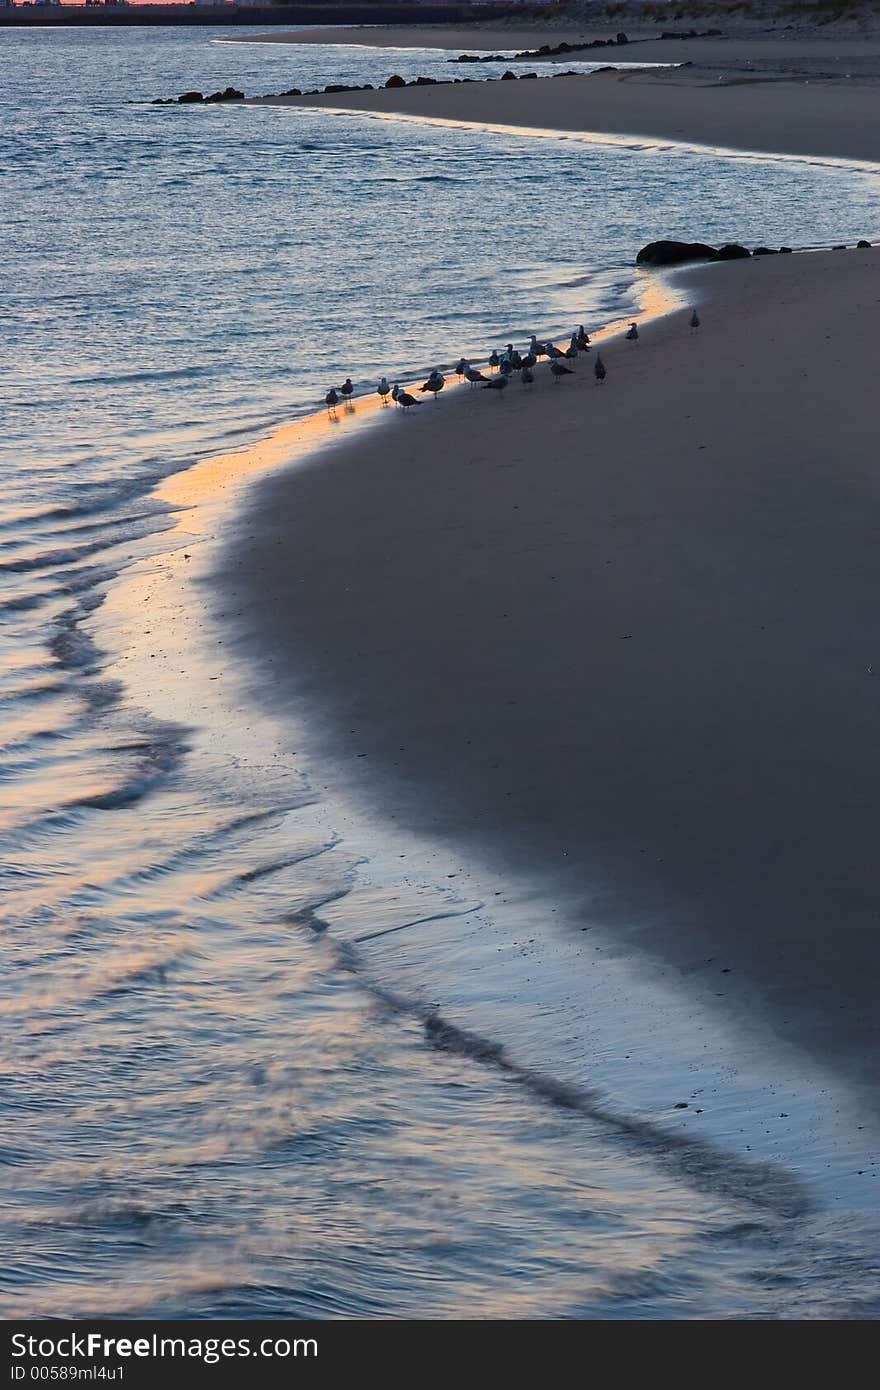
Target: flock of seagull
(502, 367)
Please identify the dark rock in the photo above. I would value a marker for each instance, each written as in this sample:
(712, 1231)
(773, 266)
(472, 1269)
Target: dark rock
(838, 248)
(863, 245)
(607, 68)
(339, 87)
(621, 38)
(764, 251)
(191, 96)
(785, 250)
(527, 76)
(292, 92)
(563, 48)
(674, 252)
(731, 252)
(681, 1105)
(228, 94)
(426, 82)
(467, 58)
(508, 76)
(395, 81)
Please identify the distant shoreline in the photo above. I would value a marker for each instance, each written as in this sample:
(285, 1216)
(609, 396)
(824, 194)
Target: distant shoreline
(802, 94)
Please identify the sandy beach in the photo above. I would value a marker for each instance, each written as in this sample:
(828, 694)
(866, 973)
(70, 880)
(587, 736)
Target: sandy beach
(623, 634)
(801, 94)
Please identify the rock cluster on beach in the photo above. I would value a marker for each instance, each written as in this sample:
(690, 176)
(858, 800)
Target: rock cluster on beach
(186, 98)
(545, 51)
(662, 253)
(394, 81)
(552, 51)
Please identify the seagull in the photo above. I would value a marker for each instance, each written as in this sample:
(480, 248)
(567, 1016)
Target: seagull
(527, 376)
(553, 352)
(559, 369)
(497, 383)
(571, 351)
(632, 335)
(395, 392)
(383, 390)
(435, 383)
(331, 400)
(583, 338)
(506, 366)
(494, 360)
(536, 349)
(599, 368)
(346, 389)
(405, 400)
(530, 360)
(695, 319)
(461, 367)
(472, 375)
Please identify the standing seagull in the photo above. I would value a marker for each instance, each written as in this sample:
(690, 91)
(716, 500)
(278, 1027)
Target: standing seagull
(436, 381)
(633, 334)
(405, 400)
(527, 376)
(494, 360)
(559, 370)
(331, 400)
(473, 375)
(462, 367)
(695, 319)
(347, 390)
(583, 338)
(383, 390)
(599, 368)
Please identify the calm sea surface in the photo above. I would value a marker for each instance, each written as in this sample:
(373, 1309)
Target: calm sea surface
(223, 1091)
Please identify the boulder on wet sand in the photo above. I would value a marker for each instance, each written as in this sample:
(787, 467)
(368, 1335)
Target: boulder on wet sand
(395, 81)
(228, 94)
(674, 252)
(731, 252)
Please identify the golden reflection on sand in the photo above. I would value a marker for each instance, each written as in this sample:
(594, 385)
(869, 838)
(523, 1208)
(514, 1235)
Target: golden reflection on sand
(208, 482)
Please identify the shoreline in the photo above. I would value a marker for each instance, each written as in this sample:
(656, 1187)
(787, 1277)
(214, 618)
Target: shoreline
(772, 92)
(381, 663)
(788, 118)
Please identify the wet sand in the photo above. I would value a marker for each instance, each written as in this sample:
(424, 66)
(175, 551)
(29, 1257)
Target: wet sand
(622, 636)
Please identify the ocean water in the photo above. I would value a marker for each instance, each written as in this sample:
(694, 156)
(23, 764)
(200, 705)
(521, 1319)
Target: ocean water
(261, 1059)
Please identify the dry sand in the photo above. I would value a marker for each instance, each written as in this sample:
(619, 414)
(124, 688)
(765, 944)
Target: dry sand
(623, 635)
